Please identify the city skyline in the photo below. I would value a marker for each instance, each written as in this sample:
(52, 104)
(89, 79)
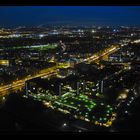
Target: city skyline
(69, 78)
(13, 16)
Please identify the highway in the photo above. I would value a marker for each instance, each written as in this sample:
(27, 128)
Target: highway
(97, 56)
(17, 85)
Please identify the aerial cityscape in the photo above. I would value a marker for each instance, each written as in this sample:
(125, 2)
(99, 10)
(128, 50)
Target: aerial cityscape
(69, 68)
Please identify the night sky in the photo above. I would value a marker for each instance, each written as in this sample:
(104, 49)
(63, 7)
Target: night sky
(12, 16)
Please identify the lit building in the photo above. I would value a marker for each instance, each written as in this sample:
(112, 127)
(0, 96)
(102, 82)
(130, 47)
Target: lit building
(4, 62)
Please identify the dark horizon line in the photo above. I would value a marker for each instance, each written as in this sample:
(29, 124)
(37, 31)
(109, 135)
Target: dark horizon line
(71, 25)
